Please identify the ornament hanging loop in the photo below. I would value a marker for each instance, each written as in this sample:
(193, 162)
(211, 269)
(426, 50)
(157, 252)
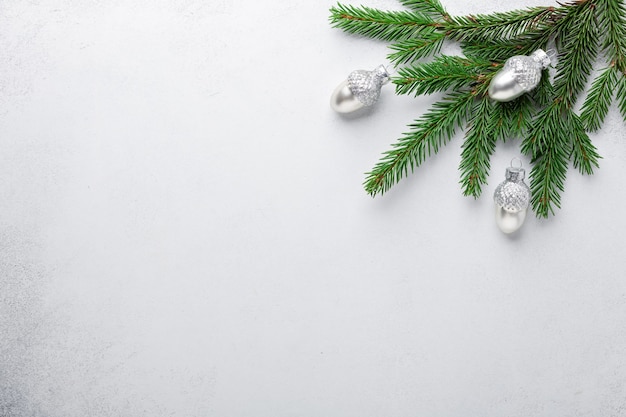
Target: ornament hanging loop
(513, 165)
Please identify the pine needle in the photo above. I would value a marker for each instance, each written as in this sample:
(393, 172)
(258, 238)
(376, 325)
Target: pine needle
(512, 120)
(433, 130)
(385, 25)
(576, 60)
(584, 153)
(497, 26)
(547, 144)
(410, 50)
(596, 105)
(479, 145)
(429, 7)
(612, 19)
(620, 95)
(444, 73)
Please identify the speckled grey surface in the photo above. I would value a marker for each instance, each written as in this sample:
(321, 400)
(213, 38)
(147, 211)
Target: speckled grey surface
(183, 233)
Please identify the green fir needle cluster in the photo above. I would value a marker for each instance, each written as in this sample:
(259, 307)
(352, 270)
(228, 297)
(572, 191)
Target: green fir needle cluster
(552, 134)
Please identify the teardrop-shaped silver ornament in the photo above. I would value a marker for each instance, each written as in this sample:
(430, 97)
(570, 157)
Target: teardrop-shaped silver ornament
(519, 75)
(360, 89)
(512, 197)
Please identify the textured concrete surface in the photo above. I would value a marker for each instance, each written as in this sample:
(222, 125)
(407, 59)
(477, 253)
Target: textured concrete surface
(183, 233)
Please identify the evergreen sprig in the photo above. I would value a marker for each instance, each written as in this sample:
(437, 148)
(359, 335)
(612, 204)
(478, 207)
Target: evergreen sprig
(429, 7)
(552, 134)
(499, 25)
(512, 120)
(621, 95)
(547, 145)
(409, 50)
(596, 105)
(612, 18)
(384, 25)
(478, 148)
(433, 130)
(537, 37)
(584, 153)
(579, 52)
(444, 73)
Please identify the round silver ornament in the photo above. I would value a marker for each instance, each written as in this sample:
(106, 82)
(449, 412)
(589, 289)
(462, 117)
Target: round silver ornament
(512, 197)
(519, 75)
(362, 88)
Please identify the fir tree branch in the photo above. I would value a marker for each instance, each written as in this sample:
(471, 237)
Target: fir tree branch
(597, 102)
(612, 16)
(385, 25)
(585, 155)
(423, 22)
(544, 93)
(499, 25)
(500, 121)
(410, 50)
(479, 145)
(547, 180)
(512, 119)
(501, 49)
(547, 143)
(444, 73)
(433, 130)
(428, 7)
(576, 60)
(526, 42)
(620, 95)
(612, 19)
(498, 50)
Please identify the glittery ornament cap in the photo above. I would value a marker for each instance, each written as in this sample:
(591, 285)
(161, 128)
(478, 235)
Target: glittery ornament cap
(365, 85)
(513, 194)
(542, 58)
(382, 72)
(527, 71)
(515, 174)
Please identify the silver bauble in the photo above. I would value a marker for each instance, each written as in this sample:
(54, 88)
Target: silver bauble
(362, 88)
(519, 75)
(511, 197)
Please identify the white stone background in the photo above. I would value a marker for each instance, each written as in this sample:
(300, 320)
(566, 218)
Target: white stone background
(183, 232)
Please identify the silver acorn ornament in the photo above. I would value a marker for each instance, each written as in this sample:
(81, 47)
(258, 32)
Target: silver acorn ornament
(362, 88)
(511, 198)
(519, 75)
